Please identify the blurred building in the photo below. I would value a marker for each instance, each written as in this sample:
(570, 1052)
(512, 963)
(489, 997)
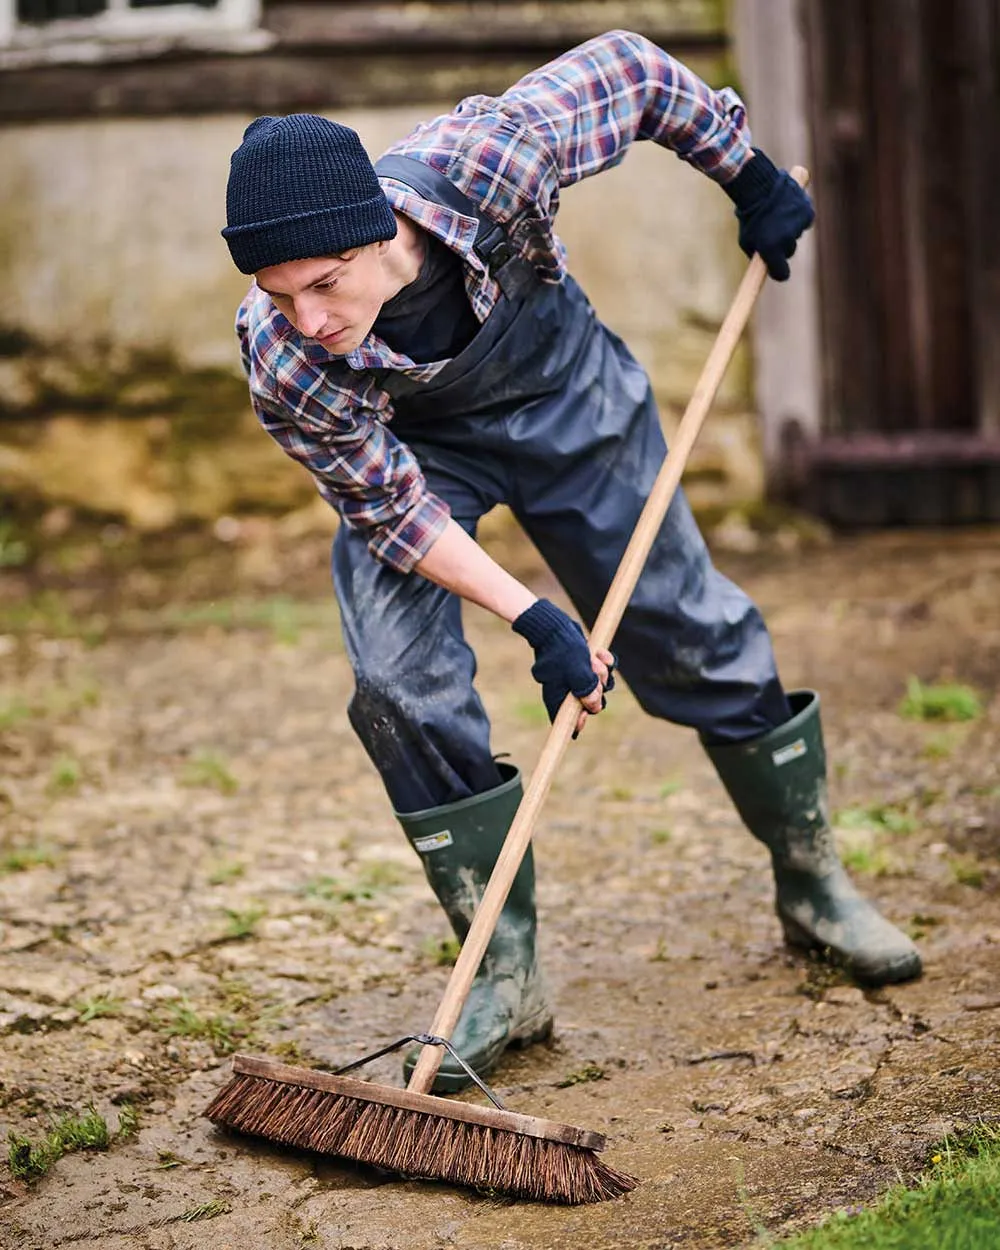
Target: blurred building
(119, 385)
(879, 378)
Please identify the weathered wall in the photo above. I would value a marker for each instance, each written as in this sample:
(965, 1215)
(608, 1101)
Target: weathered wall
(115, 275)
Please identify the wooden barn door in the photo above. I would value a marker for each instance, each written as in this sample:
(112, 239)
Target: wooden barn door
(906, 140)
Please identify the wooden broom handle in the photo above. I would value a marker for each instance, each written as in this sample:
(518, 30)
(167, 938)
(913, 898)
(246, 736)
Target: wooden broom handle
(620, 592)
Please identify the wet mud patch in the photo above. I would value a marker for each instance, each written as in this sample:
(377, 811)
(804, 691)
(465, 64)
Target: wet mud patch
(196, 858)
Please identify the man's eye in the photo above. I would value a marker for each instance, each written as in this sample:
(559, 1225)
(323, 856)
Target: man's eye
(326, 286)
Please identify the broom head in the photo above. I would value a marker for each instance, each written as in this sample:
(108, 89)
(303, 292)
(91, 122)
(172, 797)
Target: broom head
(417, 1134)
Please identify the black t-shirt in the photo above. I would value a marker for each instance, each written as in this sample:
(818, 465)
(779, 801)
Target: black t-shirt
(431, 319)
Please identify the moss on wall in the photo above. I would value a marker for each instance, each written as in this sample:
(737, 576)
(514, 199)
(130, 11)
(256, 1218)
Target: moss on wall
(133, 436)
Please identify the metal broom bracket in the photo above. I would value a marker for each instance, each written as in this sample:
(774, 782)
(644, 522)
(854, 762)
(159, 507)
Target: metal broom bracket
(425, 1039)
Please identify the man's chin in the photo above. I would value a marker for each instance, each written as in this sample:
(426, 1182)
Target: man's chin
(342, 343)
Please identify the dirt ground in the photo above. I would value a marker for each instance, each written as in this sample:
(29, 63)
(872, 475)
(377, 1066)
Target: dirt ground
(197, 857)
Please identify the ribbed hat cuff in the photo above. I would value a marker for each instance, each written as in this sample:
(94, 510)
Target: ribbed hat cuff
(325, 232)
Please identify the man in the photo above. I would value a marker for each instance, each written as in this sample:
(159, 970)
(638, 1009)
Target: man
(414, 339)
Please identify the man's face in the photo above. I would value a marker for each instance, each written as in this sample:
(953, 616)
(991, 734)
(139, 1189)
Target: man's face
(333, 299)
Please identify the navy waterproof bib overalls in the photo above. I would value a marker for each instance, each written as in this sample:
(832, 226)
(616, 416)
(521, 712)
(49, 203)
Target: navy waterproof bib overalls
(548, 412)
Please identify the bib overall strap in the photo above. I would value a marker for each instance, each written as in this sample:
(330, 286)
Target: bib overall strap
(492, 245)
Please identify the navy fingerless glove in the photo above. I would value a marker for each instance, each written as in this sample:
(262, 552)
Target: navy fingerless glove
(562, 657)
(773, 211)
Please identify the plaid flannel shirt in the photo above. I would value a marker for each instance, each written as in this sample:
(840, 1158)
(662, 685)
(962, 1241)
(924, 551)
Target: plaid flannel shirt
(511, 155)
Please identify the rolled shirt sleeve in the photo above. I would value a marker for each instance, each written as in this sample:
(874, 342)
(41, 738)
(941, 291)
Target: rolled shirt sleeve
(360, 467)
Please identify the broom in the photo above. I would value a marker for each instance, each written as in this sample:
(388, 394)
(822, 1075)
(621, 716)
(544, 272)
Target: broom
(410, 1131)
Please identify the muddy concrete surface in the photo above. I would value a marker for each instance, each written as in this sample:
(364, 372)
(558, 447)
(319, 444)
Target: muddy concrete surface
(198, 858)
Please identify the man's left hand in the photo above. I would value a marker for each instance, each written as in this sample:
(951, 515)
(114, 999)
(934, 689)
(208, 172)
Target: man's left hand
(773, 211)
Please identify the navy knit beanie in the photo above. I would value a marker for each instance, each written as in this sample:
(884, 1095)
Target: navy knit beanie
(301, 186)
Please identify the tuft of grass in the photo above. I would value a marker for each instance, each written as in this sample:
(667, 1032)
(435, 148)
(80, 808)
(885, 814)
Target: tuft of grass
(283, 617)
(66, 775)
(242, 924)
(205, 1211)
(940, 746)
(531, 712)
(946, 702)
(14, 551)
(374, 877)
(878, 817)
(866, 858)
(128, 1122)
(22, 858)
(589, 1072)
(920, 924)
(441, 951)
(13, 712)
(223, 873)
(209, 769)
(100, 1005)
(620, 793)
(28, 1160)
(670, 787)
(223, 1032)
(967, 872)
(953, 1205)
(659, 837)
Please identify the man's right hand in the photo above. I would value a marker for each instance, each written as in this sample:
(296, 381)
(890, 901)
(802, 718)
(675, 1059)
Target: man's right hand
(564, 663)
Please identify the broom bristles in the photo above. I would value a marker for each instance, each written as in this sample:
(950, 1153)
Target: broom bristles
(416, 1143)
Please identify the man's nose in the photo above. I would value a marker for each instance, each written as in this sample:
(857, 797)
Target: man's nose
(310, 316)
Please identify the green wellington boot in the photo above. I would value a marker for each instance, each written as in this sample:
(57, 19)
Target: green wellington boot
(778, 784)
(459, 844)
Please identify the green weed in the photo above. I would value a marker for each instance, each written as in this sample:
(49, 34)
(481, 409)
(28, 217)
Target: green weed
(284, 618)
(223, 873)
(14, 552)
(29, 1160)
(967, 872)
(939, 746)
(224, 1033)
(13, 712)
(22, 858)
(66, 775)
(866, 858)
(242, 924)
(947, 702)
(206, 1211)
(620, 793)
(920, 924)
(51, 615)
(878, 817)
(58, 701)
(660, 837)
(209, 769)
(589, 1072)
(531, 712)
(441, 951)
(98, 1006)
(128, 1122)
(670, 787)
(373, 877)
(954, 1205)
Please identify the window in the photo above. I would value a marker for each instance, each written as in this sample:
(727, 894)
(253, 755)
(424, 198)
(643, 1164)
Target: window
(53, 31)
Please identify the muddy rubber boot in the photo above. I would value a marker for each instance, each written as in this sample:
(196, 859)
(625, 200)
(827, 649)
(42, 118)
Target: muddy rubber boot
(458, 845)
(778, 784)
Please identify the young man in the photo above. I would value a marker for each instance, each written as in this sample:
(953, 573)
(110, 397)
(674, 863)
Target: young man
(413, 338)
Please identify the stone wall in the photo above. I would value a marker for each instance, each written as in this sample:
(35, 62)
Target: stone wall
(119, 378)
